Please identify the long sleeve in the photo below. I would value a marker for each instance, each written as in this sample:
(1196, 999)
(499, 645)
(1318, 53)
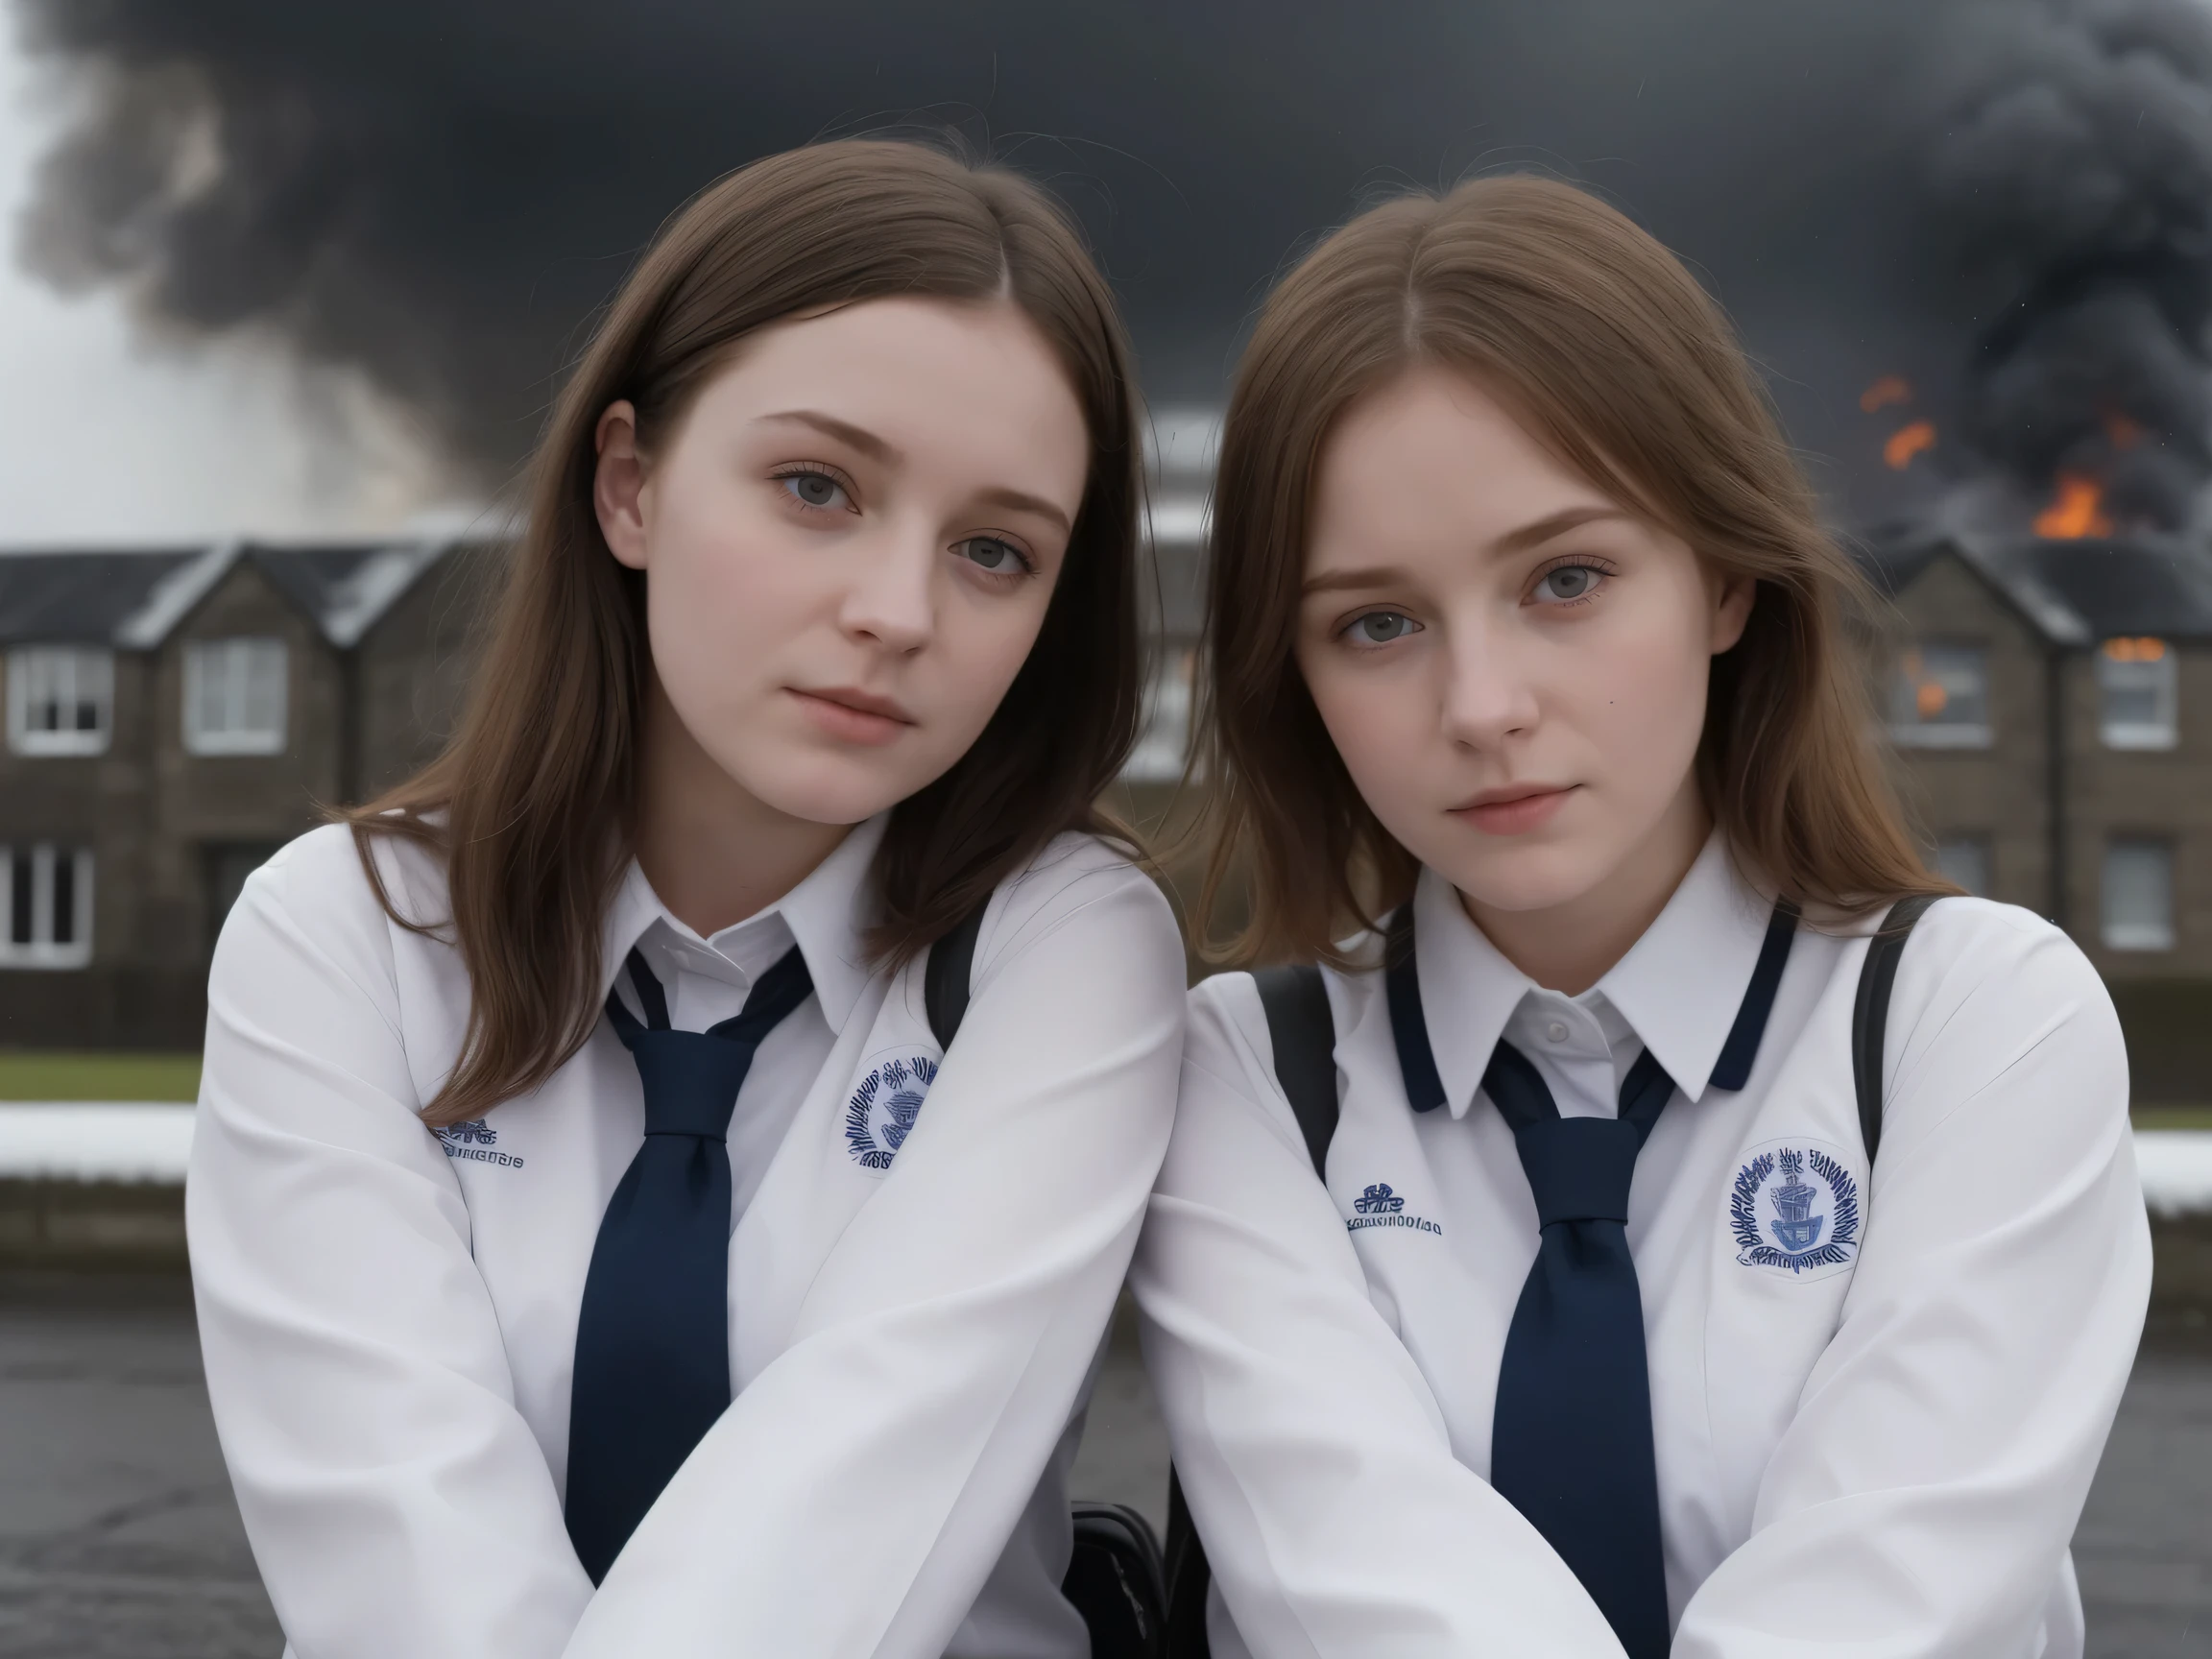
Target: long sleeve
(1920, 1500)
(1313, 1456)
(396, 1501)
(857, 1492)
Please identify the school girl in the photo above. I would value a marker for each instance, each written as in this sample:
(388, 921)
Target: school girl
(599, 1248)
(1614, 1323)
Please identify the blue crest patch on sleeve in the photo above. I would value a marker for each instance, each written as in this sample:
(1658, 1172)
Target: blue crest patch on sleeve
(1793, 1209)
(883, 1109)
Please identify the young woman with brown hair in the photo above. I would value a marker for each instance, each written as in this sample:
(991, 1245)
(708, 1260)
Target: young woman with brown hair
(601, 1246)
(1535, 725)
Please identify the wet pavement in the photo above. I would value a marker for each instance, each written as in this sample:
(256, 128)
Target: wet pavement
(119, 1538)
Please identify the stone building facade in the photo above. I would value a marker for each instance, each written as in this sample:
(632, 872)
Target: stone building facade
(172, 718)
(2050, 708)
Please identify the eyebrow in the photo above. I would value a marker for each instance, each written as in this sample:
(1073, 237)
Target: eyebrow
(1540, 531)
(1534, 534)
(886, 453)
(859, 437)
(1020, 501)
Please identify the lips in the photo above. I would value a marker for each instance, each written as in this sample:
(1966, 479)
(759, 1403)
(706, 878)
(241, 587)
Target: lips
(1516, 809)
(852, 715)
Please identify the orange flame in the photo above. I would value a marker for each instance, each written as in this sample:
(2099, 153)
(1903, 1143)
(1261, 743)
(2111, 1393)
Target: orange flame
(1889, 389)
(1908, 442)
(2137, 650)
(2076, 511)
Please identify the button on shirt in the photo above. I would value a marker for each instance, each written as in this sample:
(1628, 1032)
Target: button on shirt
(1879, 1441)
(389, 1316)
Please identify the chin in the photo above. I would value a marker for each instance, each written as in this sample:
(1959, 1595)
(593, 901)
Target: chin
(818, 788)
(1538, 876)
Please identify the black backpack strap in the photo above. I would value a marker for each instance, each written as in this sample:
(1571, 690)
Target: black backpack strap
(1870, 1014)
(1114, 1581)
(1303, 1034)
(944, 976)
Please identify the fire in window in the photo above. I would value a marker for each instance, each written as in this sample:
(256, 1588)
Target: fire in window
(1940, 697)
(2139, 694)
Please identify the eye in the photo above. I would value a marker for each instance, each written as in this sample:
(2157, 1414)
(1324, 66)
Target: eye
(1568, 582)
(1380, 627)
(990, 553)
(810, 487)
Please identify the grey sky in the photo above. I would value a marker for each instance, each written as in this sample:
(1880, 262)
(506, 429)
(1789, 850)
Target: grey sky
(107, 436)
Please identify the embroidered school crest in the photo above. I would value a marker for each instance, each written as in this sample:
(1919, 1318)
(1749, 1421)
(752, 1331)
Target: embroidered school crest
(1378, 1206)
(473, 1140)
(881, 1111)
(1795, 1209)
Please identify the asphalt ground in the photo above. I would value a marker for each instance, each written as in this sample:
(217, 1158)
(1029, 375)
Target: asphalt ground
(119, 1539)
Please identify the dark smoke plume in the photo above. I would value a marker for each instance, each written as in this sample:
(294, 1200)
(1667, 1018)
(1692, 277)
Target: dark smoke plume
(2075, 178)
(443, 191)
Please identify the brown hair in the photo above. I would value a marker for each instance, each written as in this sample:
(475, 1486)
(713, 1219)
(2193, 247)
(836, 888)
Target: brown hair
(531, 804)
(1618, 361)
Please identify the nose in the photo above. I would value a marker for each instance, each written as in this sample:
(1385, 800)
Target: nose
(891, 602)
(1490, 695)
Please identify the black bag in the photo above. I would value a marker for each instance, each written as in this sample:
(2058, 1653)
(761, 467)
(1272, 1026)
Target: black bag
(1303, 1036)
(1116, 1579)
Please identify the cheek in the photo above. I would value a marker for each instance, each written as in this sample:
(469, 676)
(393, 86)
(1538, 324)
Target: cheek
(1381, 719)
(722, 593)
(983, 640)
(1642, 704)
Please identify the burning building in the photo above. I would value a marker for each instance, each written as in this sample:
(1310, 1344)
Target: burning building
(2049, 679)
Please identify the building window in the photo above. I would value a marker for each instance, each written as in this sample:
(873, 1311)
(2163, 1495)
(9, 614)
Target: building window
(229, 863)
(1940, 698)
(61, 699)
(235, 695)
(2140, 698)
(1163, 740)
(2139, 895)
(1964, 860)
(46, 906)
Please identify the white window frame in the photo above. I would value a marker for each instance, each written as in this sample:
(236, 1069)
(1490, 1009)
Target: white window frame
(1940, 733)
(236, 662)
(2120, 660)
(2137, 934)
(1164, 737)
(59, 675)
(42, 951)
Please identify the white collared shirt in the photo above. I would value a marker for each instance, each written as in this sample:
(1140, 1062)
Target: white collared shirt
(1878, 1443)
(389, 1316)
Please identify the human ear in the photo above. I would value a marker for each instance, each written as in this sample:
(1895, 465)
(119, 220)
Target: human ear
(1732, 599)
(618, 484)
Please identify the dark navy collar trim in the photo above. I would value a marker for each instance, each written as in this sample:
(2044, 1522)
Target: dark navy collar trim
(1417, 1059)
(1733, 1069)
(1409, 1026)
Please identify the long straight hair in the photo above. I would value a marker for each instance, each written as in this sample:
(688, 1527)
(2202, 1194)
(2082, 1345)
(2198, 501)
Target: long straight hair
(1618, 362)
(532, 806)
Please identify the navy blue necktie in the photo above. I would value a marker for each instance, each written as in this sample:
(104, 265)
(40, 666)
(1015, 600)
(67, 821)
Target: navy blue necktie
(653, 1335)
(1570, 1435)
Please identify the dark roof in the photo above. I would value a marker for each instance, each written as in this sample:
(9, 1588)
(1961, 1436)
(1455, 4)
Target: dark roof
(79, 597)
(2072, 592)
(134, 599)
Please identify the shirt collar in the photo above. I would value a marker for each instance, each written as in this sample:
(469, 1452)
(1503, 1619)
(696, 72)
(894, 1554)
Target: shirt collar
(827, 916)
(1469, 989)
(1716, 921)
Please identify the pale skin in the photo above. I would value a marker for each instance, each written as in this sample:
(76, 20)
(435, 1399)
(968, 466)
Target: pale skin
(849, 541)
(1514, 669)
